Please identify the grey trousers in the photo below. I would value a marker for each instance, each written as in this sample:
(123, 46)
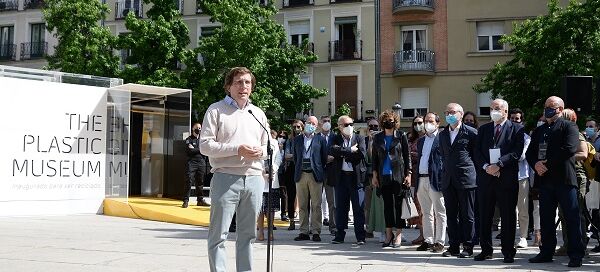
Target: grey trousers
(231, 194)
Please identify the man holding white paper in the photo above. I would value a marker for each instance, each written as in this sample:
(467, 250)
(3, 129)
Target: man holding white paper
(497, 152)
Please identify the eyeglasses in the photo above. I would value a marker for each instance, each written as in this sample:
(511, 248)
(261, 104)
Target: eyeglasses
(374, 126)
(347, 125)
(297, 126)
(591, 126)
(417, 123)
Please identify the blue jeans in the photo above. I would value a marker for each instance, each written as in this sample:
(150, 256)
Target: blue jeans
(231, 194)
(346, 191)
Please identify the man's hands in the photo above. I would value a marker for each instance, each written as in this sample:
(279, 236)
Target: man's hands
(329, 158)
(375, 181)
(493, 170)
(250, 152)
(540, 167)
(407, 181)
(354, 148)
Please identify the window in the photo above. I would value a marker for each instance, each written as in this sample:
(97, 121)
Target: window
(7, 47)
(414, 38)
(38, 37)
(483, 103)
(299, 31)
(488, 36)
(414, 101)
(207, 31)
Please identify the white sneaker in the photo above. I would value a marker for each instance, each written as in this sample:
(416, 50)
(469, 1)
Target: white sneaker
(522, 243)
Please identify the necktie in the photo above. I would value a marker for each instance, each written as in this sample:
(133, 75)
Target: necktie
(497, 135)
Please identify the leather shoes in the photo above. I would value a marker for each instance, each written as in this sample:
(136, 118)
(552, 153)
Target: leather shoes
(202, 203)
(540, 259)
(424, 247)
(466, 253)
(483, 256)
(302, 237)
(449, 253)
(316, 238)
(509, 259)
(574, 263)
(292, 225)
(185, 204)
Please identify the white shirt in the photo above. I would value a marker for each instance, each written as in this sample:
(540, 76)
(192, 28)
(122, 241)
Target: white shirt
(307, 145)
(326, 136)
(454, 133)
(346, 166)
(425, 153)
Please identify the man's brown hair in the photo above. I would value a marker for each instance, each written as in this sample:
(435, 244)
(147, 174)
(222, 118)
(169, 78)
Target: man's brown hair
(234, 72)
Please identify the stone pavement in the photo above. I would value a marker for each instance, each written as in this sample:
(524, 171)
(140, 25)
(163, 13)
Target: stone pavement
(104, 243)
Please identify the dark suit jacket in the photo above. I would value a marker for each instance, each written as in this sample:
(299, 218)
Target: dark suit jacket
(318, 156)
(510, 143)
(459, 168)
(562, 138)
(357, 159)
(435, 162)
(329, 172)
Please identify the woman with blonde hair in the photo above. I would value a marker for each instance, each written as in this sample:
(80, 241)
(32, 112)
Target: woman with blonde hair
(391, 173)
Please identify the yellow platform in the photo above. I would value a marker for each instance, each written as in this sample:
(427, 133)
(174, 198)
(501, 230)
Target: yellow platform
(161, 209)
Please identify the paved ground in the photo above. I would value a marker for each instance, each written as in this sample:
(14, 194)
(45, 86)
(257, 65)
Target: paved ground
(104, 243)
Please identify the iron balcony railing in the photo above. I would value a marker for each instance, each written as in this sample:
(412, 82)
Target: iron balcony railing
(33, 4)
(123, 7)
(6, 5)
(33, 50)
(297, 3)
(398, 4)
(8, 51)
(414, 60)
(345, 50)
(343, 1)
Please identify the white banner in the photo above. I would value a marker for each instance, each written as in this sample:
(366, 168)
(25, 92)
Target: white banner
(52, 147)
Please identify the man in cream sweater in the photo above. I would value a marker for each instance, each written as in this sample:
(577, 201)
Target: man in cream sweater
(236, 146)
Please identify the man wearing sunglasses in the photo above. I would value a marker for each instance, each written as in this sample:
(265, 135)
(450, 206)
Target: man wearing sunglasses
(349, 151)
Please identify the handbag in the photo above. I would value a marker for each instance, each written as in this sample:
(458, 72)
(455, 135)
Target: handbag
(409, 209)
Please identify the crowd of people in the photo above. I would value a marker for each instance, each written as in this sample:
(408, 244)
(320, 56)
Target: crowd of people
(457, 183)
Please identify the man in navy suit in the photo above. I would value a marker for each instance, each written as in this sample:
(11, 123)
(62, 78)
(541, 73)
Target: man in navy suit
(497, 153)
(349, 151)
(330, 179)
(310, 156)
(457, 142)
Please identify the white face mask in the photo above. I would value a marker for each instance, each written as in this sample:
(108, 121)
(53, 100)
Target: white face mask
(419, 128)
(326, 126)
(540, 123)
(496, 115)
(281, 140)
(348, 130)
(430, 128)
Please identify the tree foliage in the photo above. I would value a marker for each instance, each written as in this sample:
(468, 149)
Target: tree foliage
(249, 37)
(84, 46)
(155, 44)
(564, 42)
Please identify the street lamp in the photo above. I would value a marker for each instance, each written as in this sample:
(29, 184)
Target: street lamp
(398, 109)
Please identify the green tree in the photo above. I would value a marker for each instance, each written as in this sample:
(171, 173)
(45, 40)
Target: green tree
(249, 37)
(155, 44)
(564, 42)
(84, 46)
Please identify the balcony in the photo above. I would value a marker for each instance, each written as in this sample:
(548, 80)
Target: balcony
(414, 62)
(345, 50)
(343, 1)
(33, 4)
(6, 5)
(33, 50)
(122, 8)
(403, 6)
(8, 52)
(297, 3)
(179, 5)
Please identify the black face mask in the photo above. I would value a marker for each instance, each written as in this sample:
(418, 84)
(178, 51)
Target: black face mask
(470, 124)
(388, 125)
(197, 131)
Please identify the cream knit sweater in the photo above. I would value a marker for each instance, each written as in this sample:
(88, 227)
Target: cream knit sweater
(224, 129)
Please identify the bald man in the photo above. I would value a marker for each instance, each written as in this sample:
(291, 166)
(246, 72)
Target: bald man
(310, 156)
(550, 154)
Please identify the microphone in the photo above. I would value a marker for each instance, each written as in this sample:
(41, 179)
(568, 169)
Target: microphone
(266, 130)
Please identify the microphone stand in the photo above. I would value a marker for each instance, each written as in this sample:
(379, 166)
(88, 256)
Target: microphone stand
(270, 173)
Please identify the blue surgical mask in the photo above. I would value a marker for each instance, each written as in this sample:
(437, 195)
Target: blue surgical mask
(451, 119)
(590, 132)
(309, 128)
(549, 112)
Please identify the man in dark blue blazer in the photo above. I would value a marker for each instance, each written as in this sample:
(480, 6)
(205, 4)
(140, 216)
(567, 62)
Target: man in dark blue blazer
(497, 153)
(429, 186)
(310, 156)
(550, 153)
(457, 142)
(330, 179)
